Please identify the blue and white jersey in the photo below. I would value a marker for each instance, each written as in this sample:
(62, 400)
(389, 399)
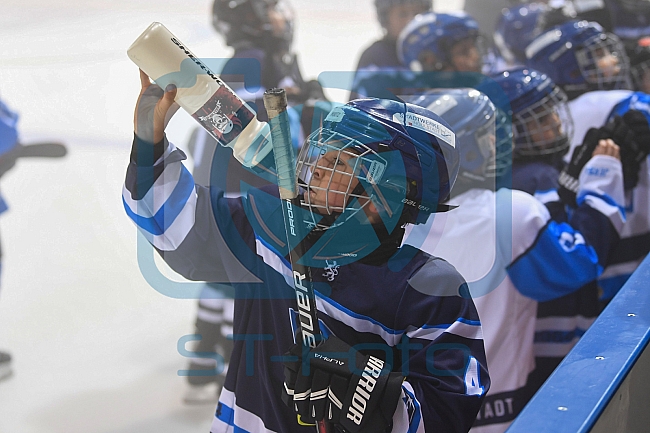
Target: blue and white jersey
(513, 255)
(396, 309)
(592, 110)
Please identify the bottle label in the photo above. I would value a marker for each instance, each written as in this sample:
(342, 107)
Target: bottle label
(224, 115)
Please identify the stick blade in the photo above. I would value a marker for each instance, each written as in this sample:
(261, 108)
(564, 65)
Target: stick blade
(43, 150)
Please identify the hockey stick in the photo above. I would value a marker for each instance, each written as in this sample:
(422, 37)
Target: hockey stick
(36, 150)
(275, 102)
(42, 150)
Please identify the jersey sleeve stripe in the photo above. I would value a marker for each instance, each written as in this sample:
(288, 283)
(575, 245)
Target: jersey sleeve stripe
(236, 418)
(177, 231)
(158, 194)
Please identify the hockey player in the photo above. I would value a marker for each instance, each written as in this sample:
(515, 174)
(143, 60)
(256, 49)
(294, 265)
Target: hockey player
(261, 33)
(582, 59)
(505, 243)
(590, 65)
(399, 163)
(379, 62)
(8, 143)
(516, 28)
(441, 42)
(393, 15)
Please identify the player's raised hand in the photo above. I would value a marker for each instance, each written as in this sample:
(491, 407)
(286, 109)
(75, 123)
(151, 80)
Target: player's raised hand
(153, 110)
(607, 147)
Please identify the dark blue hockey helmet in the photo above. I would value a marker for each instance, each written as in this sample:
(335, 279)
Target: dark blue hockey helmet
(541, 121)
(484, 153)
(516, 28)
(580, 56)
(399, 156)
(436, 33)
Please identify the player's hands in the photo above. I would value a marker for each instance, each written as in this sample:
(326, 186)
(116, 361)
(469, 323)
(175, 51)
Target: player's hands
(336, 383)
(153, 110)
(607, 147)
(568, 180)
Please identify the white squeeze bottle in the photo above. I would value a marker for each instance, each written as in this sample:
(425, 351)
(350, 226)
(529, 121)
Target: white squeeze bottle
(202, 94)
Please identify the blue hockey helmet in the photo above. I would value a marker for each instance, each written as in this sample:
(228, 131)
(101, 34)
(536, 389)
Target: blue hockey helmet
(399, 156)
(516, 28)
(483, 134)
(541, 121)
(264, 23)
(580, 56)
(435, 33)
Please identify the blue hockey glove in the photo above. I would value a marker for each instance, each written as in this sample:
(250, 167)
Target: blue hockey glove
(341, 385)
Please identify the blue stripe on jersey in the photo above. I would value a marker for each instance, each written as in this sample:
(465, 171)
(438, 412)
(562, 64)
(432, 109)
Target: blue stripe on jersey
(227, 415)
(166, 215)
(416, 417)
(557, 264)
(358, 316)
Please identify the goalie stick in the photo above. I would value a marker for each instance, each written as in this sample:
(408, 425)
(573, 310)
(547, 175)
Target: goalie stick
(275, 102)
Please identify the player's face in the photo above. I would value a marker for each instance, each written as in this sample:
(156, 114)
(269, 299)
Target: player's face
(332, 180)
(544, 128)
(465, 56)
(399, 16)
(608, 63)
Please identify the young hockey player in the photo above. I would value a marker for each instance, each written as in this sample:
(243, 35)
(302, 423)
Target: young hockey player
(441, 42)
(388, 164)
(505, 243)
(379, 61)
(393, 15)
(590, 65)
(261, 33)
(8, 143)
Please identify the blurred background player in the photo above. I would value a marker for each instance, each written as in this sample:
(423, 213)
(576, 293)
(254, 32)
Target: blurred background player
(261, 34)
(638, 52)
(516, 28)
(441, 42)
(8, 144)
(393, 16)
(379, 64)
(528, 257)
(11, 149)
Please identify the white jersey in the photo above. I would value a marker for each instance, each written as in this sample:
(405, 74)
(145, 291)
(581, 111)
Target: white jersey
(591, 110)
(487, 238)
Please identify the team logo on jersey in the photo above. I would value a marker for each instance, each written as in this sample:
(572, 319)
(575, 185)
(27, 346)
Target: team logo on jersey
(331, 270)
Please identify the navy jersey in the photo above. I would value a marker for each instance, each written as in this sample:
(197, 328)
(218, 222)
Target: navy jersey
(435, 341)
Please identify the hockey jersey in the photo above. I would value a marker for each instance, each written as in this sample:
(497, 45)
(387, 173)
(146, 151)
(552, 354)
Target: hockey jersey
(512, 255)
(396, 309)
(592, 110)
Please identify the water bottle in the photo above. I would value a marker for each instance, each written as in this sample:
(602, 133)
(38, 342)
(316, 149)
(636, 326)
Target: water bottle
(200, 92)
